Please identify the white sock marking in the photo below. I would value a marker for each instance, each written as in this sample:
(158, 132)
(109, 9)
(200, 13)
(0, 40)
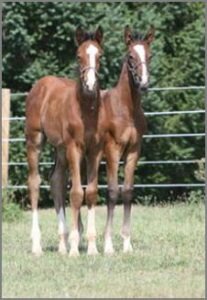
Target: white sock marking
(127, 245)
(91, 76)
(62, 227)
(35, 234)
(35, 225)
(108, 247)
(74, 242)
(91, 232)
(141, 52)
(91, 221)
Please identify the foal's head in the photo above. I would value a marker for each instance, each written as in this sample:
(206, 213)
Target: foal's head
(88, 54)
(138, 56)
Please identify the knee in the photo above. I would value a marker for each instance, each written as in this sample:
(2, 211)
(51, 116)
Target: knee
(127, 194)
(76, 197)
(34, 181)
(91, 196)
(113, 195)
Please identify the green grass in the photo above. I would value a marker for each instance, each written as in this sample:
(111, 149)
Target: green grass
(168, 257)
(11, 211)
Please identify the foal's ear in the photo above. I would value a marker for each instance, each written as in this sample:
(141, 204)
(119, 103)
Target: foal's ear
(127, 35)
(99, 34)
(150, 35)
(79, 35)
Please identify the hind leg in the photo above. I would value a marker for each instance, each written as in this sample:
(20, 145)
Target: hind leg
(58, 190)
(33, 144)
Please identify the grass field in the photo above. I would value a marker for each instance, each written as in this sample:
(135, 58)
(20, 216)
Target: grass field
(168, 257)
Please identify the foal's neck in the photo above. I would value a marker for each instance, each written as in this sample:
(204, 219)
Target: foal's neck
(129, 92)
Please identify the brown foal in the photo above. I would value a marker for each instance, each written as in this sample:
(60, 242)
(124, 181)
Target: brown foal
(126, 125)
(66, 113)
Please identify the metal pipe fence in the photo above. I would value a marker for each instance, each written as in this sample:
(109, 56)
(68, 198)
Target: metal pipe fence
(149, 162)
(104, 186)
(157, 162)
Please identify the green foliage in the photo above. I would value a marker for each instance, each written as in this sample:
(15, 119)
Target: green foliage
(38, 39)
(196, 197)
(11, 210)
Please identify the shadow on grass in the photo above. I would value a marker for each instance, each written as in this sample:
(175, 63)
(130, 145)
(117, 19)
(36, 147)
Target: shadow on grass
(53, 249)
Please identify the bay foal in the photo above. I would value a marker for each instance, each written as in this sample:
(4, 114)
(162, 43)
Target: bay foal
(126, 125)
(65, 112)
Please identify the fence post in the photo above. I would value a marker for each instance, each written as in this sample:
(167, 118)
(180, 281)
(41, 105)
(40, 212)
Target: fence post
(5, 134)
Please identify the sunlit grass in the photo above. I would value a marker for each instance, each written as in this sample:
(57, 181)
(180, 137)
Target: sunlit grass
(168, 257)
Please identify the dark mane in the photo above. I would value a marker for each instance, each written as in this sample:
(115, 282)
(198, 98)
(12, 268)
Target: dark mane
(89, 36)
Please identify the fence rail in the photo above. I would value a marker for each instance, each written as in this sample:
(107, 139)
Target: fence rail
(155, 89)
(167, 135)
(149, 162)
(156, 113)
(104, 186)
(152, 136)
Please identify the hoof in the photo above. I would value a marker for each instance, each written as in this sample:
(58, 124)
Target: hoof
(37, 252)
(62, 248)
(92, 251)
(62, 251)
(127, 248)
(109, 251)
(74, 253)
(108, 248)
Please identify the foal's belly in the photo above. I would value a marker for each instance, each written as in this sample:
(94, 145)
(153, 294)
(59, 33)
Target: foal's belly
(61, 128)
(53, 135)
(61, 134)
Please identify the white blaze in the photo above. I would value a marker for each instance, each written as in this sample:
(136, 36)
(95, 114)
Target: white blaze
(91, 76)
(91, 220)
(141, 52)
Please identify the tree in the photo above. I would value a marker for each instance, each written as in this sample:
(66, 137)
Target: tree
(38, 39)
